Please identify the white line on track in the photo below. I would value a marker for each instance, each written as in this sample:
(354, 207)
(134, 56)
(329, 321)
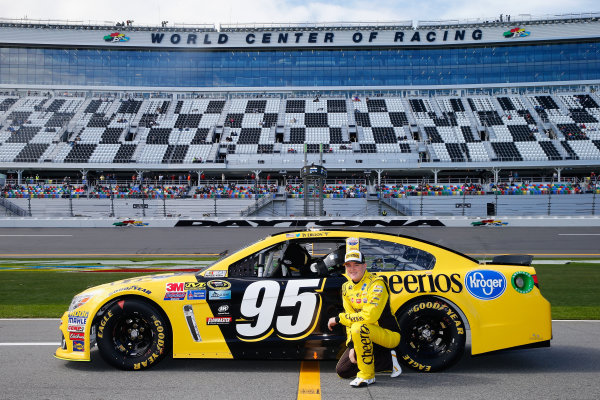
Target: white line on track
(33, 235)
(30, 344)
(579, 234)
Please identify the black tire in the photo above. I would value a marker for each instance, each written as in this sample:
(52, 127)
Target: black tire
(432, 335)
(133, 335)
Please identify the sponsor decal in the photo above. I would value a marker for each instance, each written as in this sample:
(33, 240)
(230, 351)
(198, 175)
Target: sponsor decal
(219, 285)
(130, 288)
(175, 291)
(219, 295)
(194, 285)
(218, 320)
(196, 294)
(294, 223)
(352, 241)
(516, 32)
(367, 345)
(131, 222)
(116, 37)
(76, 335)
(484, 284)
(78, 345)
(522, 282)
(75, 328)
(79, 313)
(489, 222)
(215, 274)
(77, 321)
(223, 309)
(175, 295)
(426, 283)
(314, 234)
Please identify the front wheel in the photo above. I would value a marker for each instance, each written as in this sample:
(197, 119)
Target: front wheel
(432, 335)
(132, 335)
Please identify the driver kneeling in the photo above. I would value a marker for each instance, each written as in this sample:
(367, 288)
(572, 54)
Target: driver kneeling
(368, 321)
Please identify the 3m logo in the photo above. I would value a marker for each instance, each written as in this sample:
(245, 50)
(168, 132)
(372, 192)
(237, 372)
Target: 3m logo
(175, 287)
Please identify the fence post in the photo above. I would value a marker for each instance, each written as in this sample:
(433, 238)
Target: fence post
(142, 196)
(496, 208)
(70, 199)
(29, 199)
(164, 201)
(549, 200)
(594, 197)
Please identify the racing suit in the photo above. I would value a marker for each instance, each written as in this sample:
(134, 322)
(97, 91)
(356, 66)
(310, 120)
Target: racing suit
(368, 320)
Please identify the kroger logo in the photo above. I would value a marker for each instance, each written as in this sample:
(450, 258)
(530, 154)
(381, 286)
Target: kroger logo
(485, 284)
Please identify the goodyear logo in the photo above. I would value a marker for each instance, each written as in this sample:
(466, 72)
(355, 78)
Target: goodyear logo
(485, 284)
(219, 285)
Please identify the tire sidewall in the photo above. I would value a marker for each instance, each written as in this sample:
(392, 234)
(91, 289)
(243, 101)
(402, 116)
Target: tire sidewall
(113, 316)
(438, 310)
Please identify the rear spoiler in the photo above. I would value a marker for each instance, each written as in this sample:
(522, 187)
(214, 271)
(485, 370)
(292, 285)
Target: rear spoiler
(513, 259)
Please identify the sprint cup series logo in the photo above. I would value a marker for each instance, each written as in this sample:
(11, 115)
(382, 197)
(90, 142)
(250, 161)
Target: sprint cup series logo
(485, 284)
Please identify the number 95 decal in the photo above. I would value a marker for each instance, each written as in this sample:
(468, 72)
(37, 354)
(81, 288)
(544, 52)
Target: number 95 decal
(292, 317)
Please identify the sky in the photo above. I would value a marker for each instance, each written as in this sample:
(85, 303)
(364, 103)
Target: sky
(152, 12)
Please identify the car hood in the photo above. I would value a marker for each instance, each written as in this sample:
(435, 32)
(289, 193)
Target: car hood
(140, 281)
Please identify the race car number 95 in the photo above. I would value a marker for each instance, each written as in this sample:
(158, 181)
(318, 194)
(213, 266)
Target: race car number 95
(266, 313)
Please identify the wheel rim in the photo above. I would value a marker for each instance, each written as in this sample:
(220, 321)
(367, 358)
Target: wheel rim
(132, 335)
(429, 336)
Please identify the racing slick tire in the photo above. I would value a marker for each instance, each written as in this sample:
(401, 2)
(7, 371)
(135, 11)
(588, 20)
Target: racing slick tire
(133, 335)
(432, 335)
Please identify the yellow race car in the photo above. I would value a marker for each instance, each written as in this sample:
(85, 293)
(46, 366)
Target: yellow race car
(272, 300)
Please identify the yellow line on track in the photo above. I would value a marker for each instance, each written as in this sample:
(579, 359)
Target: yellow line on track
(309, 383)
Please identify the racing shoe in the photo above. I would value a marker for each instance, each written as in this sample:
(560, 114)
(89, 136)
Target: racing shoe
(360, 382)
(396, 370)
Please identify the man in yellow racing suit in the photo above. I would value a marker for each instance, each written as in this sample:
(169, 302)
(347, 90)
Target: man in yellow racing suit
(368, 321)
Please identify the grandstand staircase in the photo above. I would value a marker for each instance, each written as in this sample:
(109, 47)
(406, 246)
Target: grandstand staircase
(11, 209)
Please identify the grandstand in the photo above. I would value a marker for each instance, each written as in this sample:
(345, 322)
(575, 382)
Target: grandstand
(479, 99)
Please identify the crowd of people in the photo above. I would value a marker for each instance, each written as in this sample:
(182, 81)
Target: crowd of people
(181, 186)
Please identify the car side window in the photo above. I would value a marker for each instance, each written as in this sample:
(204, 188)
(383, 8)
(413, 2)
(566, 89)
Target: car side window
(264, 263)
(382, 255)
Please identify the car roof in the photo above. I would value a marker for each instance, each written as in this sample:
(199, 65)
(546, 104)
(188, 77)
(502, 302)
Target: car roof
(379, 233)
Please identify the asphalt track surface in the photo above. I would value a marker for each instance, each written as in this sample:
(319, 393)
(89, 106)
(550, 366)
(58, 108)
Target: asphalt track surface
(567, 370)
(190, 241)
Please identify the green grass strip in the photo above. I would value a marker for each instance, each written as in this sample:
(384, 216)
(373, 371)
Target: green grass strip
(571, 289)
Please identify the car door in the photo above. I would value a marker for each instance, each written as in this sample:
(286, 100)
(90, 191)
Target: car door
(266, 310)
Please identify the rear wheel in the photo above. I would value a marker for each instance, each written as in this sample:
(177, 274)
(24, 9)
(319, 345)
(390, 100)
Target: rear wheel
(432, 335)
(133, 335)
